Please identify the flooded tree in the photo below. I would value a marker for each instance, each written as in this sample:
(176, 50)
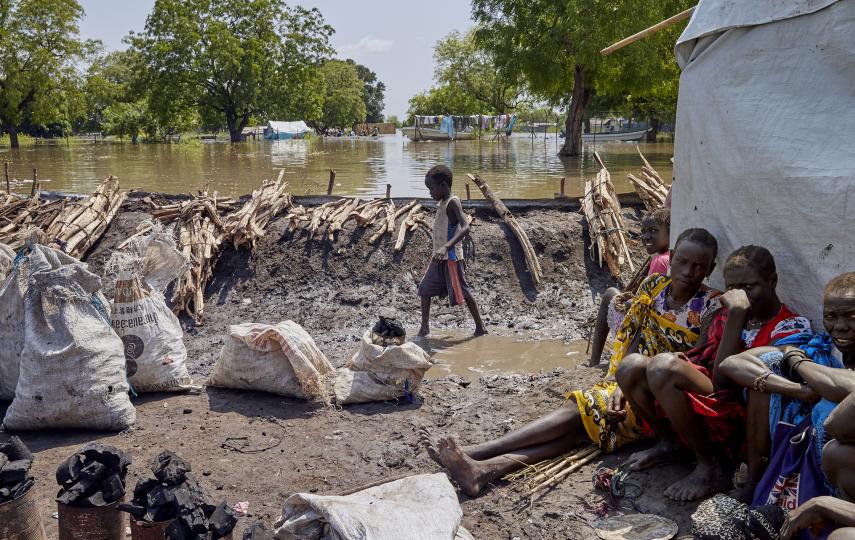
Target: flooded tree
(344, 103)
(39, 46)
(374, 92)
(236, 58)
(555, 45)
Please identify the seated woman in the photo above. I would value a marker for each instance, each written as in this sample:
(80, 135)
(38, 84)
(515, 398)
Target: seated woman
(675, 393)
(812, 373)
(837, 459)
(655, 235)
(667, 315)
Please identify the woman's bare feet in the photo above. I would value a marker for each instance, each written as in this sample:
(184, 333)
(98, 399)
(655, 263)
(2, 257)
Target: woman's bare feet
(430, 444)
(468, 474)
(744, 493)
(707, 478)
(663, 452)
(482, 331)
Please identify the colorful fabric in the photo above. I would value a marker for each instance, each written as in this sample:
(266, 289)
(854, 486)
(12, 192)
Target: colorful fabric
(447, 278)
(616, 312)
(784, 324)
(660, 264)
(661, 331)
(725, 518)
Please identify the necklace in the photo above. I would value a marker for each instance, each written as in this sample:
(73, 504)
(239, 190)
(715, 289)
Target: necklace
(754, 323)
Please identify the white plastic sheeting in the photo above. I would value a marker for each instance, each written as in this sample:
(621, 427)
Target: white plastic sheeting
(288, 127)
(765, 151)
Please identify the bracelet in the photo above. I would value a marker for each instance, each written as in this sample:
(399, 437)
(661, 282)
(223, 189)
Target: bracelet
(788, 369)
(760, 381)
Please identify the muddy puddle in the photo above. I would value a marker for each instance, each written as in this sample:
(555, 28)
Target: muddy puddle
(469, 356)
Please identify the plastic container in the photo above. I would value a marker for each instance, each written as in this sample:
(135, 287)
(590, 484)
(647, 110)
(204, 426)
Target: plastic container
(102, 523)
(20, 518)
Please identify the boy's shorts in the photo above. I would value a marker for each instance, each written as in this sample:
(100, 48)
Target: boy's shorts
(446, 279)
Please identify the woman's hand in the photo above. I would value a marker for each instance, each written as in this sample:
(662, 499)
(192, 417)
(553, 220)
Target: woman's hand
(440, 255)
(617, 407)
(735, 300)
(807, 516)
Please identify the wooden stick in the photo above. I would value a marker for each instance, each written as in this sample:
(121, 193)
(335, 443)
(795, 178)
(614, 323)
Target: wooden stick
(468, 194)
(532, 261)
(566, 472)
(35, 181)
(332, 182)
(6, 174)
(682, 16)
(562, 185)
(388, 191)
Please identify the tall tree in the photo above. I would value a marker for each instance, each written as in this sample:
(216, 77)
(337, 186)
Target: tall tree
(107, 82)
(240, 58)
(444, 99)
(462, 63)
(374, 92)
(39, 46)
(344, 103)
(555, 45)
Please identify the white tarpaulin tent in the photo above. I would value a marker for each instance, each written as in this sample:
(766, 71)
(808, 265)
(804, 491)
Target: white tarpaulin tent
(298, 126)
(765, 152)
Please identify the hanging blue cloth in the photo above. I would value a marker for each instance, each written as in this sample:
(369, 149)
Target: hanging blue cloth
(447, 125)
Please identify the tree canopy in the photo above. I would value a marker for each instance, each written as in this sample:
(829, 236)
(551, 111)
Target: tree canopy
(343, 103)
(39, 46)
(374, 92)
(235, 58)
(555, 44)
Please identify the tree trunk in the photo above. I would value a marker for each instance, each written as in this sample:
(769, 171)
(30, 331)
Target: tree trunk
(573, 123)
(655, 124)
(13, 136)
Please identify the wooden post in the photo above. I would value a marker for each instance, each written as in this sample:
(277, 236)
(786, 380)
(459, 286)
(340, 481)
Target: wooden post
(332, 182)
(6, 174)
(388, 191)
(35, 181)
(652, 30)
(562, 185)
(468, 193)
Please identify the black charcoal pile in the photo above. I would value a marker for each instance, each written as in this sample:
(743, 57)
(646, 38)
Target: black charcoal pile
(174, 493)
(15, 462)
(93, 477)
(257, 532)
(389, 329)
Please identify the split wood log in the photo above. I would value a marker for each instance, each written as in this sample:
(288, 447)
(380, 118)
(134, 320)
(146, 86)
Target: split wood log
(602, 210)
(531, 259)
(409, 223)
(387, 225)
(81, 223)
(249, 223)
(649, 185)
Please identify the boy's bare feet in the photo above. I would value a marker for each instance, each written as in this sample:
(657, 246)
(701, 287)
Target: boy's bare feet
(707, 478)
(481, 331)
(463, 469)
(430, 445)
(424, 331)
(744, 493)
(663, 452)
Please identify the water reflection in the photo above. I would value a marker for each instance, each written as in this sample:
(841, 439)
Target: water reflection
(519, 168)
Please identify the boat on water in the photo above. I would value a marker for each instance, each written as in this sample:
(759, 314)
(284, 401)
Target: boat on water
(282, 131)
(421, 133)
(616, 135)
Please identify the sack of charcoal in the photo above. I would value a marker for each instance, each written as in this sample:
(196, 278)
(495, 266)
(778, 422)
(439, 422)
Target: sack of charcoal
(7, 260)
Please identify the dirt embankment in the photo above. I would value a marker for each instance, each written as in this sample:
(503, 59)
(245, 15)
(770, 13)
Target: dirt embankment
(335, 291)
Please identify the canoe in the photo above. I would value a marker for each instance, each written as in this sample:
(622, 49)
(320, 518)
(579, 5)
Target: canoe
(616, 136)
(433, 134)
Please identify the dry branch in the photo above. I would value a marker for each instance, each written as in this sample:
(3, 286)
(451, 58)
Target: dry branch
(81, 223)
(649, 185)
(249, 223)
(602, 210)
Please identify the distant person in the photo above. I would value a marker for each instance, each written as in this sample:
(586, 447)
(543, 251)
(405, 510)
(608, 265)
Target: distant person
(655, 235)
(445, 275)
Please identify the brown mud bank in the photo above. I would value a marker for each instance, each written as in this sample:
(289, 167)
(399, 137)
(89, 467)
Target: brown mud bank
(260, 448)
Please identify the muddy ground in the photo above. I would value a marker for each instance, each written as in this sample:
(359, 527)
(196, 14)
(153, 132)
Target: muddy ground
(335, 291)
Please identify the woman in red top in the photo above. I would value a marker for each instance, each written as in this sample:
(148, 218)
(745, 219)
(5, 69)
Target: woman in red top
(676, 395)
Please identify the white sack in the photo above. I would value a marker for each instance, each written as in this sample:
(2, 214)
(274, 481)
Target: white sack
(7, 259)
(152, 335)
(281, 359)
(12, 310)
(377, 373)
(72, 371)
(424, 506)
(763, 152)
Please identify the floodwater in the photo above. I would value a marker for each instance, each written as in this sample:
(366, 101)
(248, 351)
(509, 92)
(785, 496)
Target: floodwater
(521, 168)
(470, 356)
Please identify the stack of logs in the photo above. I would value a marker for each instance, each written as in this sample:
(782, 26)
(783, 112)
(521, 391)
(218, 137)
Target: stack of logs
(71, 225)
(602, 210)
(249, 223)
(649, 185)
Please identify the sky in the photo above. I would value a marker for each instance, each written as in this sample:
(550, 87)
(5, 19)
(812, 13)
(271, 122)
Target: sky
(394, 38)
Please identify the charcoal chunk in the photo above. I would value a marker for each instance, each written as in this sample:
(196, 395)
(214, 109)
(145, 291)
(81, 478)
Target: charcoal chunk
(257, 532)
(21, 488)
(94, 500)
(92, 471)
(109, 456)
(75, 492)
(143, 488)
(15, 471)
(170, 469)
(189, 512)
(135, 510)
(222, 520)
(178, 531)
(112, 488)
(16, 450)
(69, 469)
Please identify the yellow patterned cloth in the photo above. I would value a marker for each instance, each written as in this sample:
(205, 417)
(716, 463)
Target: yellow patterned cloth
(661, 330)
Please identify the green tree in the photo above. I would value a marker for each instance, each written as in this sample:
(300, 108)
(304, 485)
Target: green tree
(129, 119)
(240, 58)
(463, 64)
(344, 103)
(555, 44)
(444, 99)
(374, 92)
(393, 119)
(108, 82)
(39, 47)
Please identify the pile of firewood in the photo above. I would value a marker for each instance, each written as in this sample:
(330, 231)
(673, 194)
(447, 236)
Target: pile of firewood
(71, 225)
(416, 218)
(602, 210)
(649, 185)
(249, 223)
(200, 232)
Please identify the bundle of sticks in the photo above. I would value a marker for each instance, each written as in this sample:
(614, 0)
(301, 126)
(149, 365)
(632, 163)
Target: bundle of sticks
(415, 219)
(200, 232)
(649, 185)
(532, 479)
(249, 223)
(81, 223)
(602, 210)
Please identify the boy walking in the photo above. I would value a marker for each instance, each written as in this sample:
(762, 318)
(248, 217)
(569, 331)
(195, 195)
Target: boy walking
(445, 273)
